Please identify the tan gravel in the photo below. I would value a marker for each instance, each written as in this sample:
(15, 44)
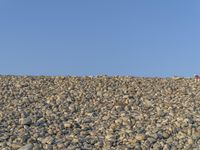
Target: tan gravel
(110, 113)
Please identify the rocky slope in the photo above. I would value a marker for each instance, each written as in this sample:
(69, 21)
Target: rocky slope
(85, 113)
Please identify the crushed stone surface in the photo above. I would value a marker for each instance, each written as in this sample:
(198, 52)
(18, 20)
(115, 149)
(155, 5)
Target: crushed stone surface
(108, 113)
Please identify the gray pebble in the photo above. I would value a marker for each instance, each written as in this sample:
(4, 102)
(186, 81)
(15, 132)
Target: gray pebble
(25, 121)
(27, 147)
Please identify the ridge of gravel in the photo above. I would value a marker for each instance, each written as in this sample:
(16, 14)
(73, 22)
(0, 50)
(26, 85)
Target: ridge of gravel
(109, 113)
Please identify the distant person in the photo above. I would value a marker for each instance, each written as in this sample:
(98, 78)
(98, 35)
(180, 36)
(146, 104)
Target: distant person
(197, 77)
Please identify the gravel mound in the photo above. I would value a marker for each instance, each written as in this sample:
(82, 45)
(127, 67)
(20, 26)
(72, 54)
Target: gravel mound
(109, 113)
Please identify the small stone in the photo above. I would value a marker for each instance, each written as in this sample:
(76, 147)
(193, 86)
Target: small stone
(2, 144)
(67, 125)
(165, 135)
(60, 145)
(6, 148)
(24, 138)
(109, 137)
(47, 140)
(105, 95)
(48, 147)
(126, 96)
(75, 140)
(140, 137)
(181, 135)
(27, 147)
(18, 85)
(36, 147)
(176, 78)
(169, 140)
(137, 146)
(151, 140)
(190, 141)
(173, 147)
(189, 131)
(99, 93)
(166, 147)
(16, 146)
(147, 103)
(157, 146)
(160, 135)
(40, 121)
(87, 146)
(25, 121)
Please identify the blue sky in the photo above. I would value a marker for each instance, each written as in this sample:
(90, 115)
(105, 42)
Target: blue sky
(90, 37)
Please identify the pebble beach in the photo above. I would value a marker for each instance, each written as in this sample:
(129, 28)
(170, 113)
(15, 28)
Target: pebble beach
(99, 113)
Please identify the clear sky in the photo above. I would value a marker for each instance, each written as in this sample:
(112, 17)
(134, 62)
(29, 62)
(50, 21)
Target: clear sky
(98, 37)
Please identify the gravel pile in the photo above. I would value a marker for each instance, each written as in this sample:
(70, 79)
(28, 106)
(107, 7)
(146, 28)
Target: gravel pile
(109, 113)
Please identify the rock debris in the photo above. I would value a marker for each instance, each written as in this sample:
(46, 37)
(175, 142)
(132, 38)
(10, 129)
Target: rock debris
(109, 113)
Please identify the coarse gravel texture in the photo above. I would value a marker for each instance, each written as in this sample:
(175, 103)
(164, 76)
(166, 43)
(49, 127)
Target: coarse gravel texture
(109, 113)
